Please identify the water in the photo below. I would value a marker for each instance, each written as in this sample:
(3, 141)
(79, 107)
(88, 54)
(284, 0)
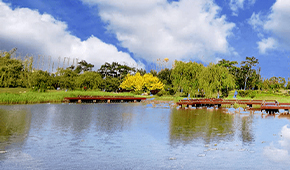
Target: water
(139, 136)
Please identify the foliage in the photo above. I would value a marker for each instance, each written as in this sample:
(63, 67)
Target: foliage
(40, 80)
(115, 70)
(110, 84)
(90, 80)
(196, 79)
(66, 78)
(247, 93)
(186, 77)
(183, 79)
(142, 83)
(82, 66)
(9, 70)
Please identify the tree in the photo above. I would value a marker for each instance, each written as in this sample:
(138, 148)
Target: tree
(230, 65)
(186, 77)
(40, 80)
(10, 70)
(82, 67)
(215, 80)
(247, 69)
(115, 70)
(141, 83)
(66, 78)
(90, 80)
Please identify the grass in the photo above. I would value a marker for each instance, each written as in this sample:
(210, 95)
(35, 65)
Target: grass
(263, 95)
(26, 96)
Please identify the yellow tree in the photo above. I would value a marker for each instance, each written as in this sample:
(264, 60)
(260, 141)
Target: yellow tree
(141, 83)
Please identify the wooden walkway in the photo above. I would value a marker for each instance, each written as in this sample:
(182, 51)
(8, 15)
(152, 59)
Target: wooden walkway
(102, 99)
(270, 106)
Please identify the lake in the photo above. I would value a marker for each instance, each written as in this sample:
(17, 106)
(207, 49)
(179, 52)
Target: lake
(140, 136)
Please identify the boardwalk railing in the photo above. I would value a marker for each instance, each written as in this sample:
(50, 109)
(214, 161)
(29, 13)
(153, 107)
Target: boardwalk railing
(270, 106)
(95, 99)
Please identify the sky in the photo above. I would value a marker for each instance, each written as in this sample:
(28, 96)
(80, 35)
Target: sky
(143, 33)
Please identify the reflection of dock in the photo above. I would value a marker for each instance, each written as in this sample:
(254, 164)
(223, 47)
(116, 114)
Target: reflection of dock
(270, 106)
(102, 99)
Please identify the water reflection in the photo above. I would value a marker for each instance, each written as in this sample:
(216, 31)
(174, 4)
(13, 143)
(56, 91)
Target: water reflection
(112, 118)
(188, 125)
(14, 125)
(246, 129)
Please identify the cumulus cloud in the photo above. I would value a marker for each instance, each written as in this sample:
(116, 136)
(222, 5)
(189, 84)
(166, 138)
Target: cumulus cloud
(36, 33)
(280, 154)
(274, 27)
(256, 21)
(155, 29)
(267, 44)
(235, 5)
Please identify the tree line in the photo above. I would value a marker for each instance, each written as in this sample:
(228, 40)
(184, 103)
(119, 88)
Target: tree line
(182, 79)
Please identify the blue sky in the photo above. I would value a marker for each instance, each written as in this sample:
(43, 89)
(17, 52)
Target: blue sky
(139, 33)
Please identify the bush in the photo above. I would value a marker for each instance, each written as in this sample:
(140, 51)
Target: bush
(162, 92)
(247, 93)
(252, 94)
(243, 93)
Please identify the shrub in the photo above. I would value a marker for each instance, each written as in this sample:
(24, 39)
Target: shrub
(243, 93)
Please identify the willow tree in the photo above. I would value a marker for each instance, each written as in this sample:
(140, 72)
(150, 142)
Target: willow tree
(186, 77)
(193, 78)
(215, 80)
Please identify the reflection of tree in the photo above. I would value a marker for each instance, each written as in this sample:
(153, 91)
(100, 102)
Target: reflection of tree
(109, 119)
(246, 129)
(76, 118)
(14, 125)
(187, 125)
(79, 118)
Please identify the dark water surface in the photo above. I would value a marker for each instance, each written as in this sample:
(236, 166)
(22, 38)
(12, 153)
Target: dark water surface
(139, 136)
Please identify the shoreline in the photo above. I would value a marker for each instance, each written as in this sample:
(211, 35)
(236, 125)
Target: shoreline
(26, 96)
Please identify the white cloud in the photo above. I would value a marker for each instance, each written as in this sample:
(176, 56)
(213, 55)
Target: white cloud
(37, 33)
(267, 44)
(235, 5)
(279, 21)
(155, 29)
(256, 22)
(280, 154)
(275, 26)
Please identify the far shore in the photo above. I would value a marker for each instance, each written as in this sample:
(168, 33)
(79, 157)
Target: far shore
(27, 96)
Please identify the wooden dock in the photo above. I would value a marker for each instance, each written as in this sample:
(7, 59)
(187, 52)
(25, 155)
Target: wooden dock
(102, 99)
(270, 106)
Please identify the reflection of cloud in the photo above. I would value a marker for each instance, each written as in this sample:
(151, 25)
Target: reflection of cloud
(285, 132)
(275, 154)
(280, 154)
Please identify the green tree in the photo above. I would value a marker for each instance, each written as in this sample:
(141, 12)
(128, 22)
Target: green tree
(40, 80)
(10, 70)
(82, 67)
(186, 77)
(247, 70)
(216, 80)
(66, 78)
(89, 79)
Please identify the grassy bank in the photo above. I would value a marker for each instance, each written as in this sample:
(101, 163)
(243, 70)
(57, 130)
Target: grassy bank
(26, 96)
(281, 97)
